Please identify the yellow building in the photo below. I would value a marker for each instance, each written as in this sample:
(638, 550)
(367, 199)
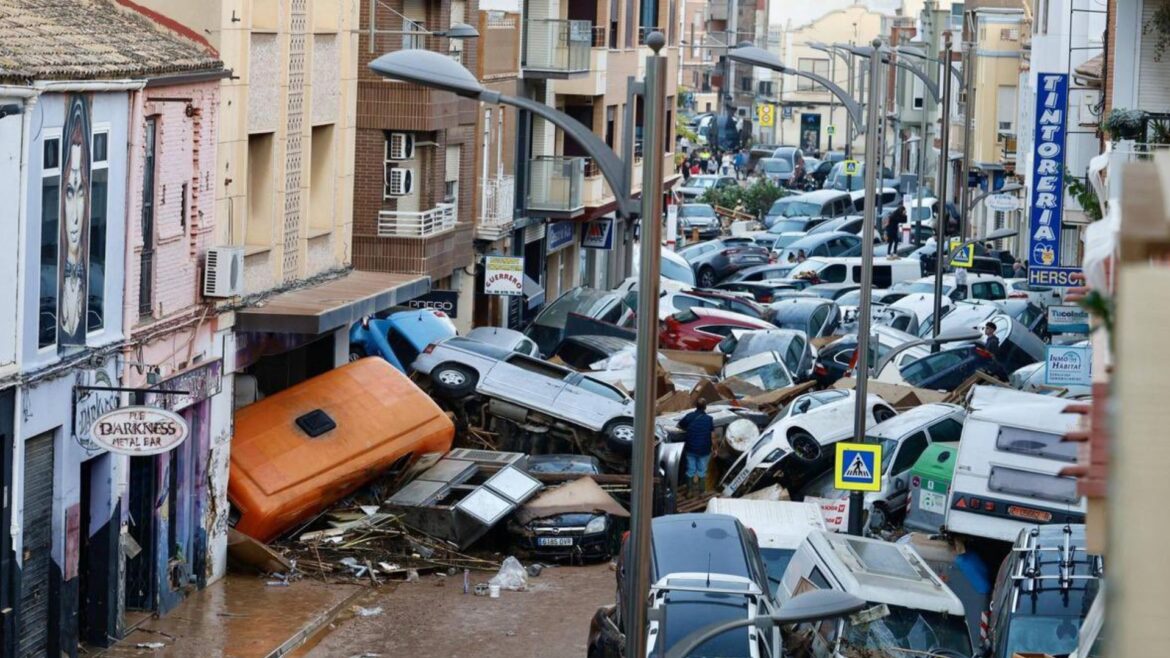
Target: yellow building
(808, 110)
(997, 77)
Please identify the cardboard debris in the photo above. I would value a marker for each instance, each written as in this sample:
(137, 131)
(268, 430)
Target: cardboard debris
(899, 396)
(581, 495)
(247, 554)
(772, 400)
(711, 392)
(710, 362)
(740, 388)
(674, 401)
(773, 492)
(959, 395)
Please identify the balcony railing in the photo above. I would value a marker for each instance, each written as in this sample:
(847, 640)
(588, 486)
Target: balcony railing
(423, 224)
(557, 47)
(554, 185)
(600, 36)
(499, 200)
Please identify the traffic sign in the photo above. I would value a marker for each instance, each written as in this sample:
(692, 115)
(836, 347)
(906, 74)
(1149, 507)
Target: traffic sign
(964, 257)
(858, 467)
(832, 130)
(767, 115)
(852, 167)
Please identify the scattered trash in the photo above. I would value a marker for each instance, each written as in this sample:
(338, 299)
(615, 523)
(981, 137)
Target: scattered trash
(495, 591)
(510, 634)
(511, 575)
(389, 567)
(535, 569)
(412, 575)
(247, 554)
(481, 589)
(149, 645)
(367, 612)
(277, 583)
(466, 579)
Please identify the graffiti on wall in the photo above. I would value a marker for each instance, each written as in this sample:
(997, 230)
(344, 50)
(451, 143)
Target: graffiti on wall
(74, 208)
(89, 405)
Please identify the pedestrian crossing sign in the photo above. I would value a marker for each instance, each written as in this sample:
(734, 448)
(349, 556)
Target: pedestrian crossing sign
(858, 467)
(851, 167)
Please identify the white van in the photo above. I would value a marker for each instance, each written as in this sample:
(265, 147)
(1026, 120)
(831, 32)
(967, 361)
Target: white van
(1007, 473)
(886, 271)
(780, 526)
(909, 605)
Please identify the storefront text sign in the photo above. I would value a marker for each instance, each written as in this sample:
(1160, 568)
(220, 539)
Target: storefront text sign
(139, 430)
(503, 275)
(597, 234)
(1047, 194)
(197, 383)
(1068, 366)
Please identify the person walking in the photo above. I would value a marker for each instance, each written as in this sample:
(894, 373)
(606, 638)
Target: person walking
(713, 164)
(894, 229)
(699, 427)
(741, 165)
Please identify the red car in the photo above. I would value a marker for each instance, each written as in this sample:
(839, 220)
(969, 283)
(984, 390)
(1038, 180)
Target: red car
(701, 329)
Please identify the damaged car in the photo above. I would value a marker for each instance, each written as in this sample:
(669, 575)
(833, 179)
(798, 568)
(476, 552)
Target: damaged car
(797, 446)
(577, 522)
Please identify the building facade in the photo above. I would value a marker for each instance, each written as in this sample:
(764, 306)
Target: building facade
(80, 547)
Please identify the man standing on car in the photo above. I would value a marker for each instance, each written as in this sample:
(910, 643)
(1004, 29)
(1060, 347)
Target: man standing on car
(699, 427)
(990, 341)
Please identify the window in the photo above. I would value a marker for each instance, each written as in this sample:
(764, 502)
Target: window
(946, 430)
(1005, 109)
(536, 366)
(1033, 485)
(766, 88)
(50, 213)
(99, 184)
(604, 390)
(1035, 444)
(321, 178)
(794, 354)
(815, 66)
(817, 578)
(401, 347)
(817, 320)
(146, 258)
(261, 207)
(836, 274)
(926, 367)
(912, 448)
(745, 84)
(718, 329)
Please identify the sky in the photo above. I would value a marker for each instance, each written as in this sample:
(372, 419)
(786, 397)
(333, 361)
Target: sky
(802, 12)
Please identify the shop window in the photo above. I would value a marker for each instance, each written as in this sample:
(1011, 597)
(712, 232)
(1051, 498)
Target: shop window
(99, 193)
(50, 225)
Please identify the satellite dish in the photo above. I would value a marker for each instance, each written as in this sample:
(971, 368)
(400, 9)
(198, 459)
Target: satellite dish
(741, 434)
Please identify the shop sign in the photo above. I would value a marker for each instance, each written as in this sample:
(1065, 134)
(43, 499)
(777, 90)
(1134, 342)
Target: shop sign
(138, 431)
(1047, 194)
(89, 404)
(503, 275)
(446, 301)
(598, 234)
(1068, 320)
(197, 384)
(1068, 366)
(834, 511)
(1003, 202)
(560, 235)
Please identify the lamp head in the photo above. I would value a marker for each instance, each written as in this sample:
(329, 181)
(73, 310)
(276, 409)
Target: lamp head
(460, 31)
(428, 69)
(745, 53)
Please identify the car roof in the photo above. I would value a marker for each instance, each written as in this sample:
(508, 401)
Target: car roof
(476, 346)
(912, 419)
(816, 195)
(777, 523)
(498, 336)
(1047, 596)
(857, 194)
(817, 238)
(692, 542)
(883, 572)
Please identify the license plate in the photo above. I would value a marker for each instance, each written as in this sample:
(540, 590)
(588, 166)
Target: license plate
(738, 481)
(554, 541)
(1040, 516)
(928, 501)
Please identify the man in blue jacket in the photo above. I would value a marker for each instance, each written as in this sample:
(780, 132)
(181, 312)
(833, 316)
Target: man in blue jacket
(699, 427)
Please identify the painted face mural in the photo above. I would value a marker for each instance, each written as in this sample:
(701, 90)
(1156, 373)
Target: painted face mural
(74, 256)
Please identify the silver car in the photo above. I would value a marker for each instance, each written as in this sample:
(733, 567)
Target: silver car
(528, 390)
(508, 339)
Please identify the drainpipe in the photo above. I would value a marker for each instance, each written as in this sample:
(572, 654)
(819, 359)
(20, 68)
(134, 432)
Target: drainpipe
(51, 86)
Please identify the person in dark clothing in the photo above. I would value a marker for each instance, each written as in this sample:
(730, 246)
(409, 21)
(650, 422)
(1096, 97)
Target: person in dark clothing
(699, 427)
(893, 229)
(990, 341)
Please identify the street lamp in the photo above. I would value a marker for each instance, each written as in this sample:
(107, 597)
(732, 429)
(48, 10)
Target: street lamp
(756, 56)
(436, 71)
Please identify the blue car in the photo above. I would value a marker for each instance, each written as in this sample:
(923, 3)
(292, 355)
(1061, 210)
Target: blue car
(399, 336)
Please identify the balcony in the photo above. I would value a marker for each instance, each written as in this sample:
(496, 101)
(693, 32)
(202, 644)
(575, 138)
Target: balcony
(495, 220)
(717, 10)
(555, 48)
(435, 256)
(554, 186)
(424, 224)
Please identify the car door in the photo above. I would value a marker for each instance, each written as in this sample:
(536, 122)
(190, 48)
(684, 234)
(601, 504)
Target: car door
(909, 450)
(530, 382)
(794, 358)
(588, 402)
(817, 320)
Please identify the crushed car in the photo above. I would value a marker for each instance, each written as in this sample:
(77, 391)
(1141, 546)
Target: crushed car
(577, 522)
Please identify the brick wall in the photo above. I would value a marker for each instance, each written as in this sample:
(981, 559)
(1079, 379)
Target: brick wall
(1110, 49)
(185, 154)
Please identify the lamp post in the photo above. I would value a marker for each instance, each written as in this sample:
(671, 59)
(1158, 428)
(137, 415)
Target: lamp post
(436, 71)
(940, 226)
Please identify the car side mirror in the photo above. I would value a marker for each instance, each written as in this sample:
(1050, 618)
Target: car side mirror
(899, 484)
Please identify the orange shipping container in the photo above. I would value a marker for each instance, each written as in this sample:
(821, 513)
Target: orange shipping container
(282, 476)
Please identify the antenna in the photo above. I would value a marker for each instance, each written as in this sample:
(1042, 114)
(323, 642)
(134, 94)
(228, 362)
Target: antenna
(708, 568)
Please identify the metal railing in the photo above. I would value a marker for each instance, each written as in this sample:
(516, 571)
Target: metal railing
(422, 224)
(499, 202)
(554, 183)
(557, 45)
(600, 36)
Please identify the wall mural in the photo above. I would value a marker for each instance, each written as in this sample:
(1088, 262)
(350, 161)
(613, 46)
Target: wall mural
(74, 224)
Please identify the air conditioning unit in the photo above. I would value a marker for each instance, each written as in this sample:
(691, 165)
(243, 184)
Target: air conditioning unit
(400, 147)
(223, 272)
(399, 182)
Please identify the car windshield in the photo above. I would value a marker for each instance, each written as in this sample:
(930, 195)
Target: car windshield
(784, 241)
(769, 377)
(775, 562)
(1047, 635)
(851, 298)
(905, 628)
(574, 301)
(690, 210)
(677, 272)
(776, 166)
(788, 226)
(794, 208)
(686, 611)
(699, 181)
(926, 287)
(920, 214)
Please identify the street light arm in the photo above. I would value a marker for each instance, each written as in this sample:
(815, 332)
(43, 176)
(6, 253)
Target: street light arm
(756, 56)
(612, 169)
(921, 75)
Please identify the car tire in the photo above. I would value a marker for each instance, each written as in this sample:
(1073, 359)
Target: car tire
(356, 352)
(882, 414)
(804, 446)
(706, 278)
(619, 434)
(453, 381)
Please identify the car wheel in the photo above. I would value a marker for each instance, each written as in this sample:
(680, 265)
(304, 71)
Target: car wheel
(356, 352)
(805, 446)
(882, 414)
(452, 380)
(620, 434)
(706, 278)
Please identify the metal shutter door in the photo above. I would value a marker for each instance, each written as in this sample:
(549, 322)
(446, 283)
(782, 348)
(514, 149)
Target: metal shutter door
(1153, 94)
(38, 542)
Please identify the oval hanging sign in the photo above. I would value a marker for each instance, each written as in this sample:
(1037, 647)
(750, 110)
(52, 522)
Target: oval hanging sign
(139, 430)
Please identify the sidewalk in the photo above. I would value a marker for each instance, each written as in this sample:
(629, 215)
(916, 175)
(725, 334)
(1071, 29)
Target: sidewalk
(239, 617)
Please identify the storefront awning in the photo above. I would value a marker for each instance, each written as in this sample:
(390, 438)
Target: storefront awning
(335, 303)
